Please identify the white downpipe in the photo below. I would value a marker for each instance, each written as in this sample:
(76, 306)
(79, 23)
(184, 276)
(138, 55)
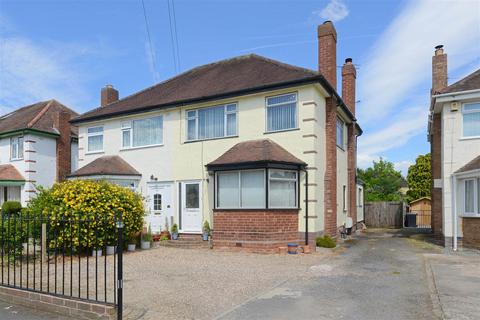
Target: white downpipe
(454, 212)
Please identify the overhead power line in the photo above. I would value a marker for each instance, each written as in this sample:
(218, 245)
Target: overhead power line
(152, 53)
(173, 34)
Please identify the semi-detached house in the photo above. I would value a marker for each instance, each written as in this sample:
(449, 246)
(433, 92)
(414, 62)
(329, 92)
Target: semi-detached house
(239, 143)
(38, 146)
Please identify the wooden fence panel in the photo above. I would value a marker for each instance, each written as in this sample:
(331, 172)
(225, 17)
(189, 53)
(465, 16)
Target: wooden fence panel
(384, 214)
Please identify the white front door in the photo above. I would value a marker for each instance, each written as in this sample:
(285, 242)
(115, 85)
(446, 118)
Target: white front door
(191, 207)
(160, 205)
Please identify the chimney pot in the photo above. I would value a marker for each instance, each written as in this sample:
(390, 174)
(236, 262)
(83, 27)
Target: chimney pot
(108, 95)
(348, 60)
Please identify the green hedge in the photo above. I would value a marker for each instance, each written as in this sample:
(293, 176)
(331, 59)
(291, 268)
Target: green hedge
(82, 212)
(11, 207)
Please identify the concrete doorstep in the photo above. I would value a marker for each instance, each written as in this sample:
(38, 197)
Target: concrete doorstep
(62, 306)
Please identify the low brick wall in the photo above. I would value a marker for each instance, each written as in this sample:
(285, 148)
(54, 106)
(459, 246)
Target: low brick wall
(471, 232)
(62, 306)
(261, 231)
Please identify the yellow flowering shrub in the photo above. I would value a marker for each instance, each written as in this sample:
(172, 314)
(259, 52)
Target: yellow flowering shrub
(83, 212)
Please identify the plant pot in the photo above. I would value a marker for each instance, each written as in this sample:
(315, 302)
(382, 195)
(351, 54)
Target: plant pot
(165, 234)
(97, 253)
(145, 245)
(205, 236)
(110, 250)
(175, 236)
(292, 248)
(131, 247)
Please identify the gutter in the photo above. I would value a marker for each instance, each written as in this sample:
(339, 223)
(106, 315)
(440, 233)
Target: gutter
(26, 131)
(440, 95)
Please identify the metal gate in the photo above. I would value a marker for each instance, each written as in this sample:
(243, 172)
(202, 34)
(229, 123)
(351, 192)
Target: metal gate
(71, 257)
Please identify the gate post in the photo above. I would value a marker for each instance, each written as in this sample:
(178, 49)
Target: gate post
(120, 267)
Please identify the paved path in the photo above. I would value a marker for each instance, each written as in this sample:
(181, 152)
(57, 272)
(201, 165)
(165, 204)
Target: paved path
(14, 312)
(382, 275)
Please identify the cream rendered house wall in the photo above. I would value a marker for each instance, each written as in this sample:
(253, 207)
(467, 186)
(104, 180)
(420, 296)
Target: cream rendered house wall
(342, 180)
(456, 152)
(177, 160)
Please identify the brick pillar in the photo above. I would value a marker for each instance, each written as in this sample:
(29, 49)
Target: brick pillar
(327, 52)
(64, 152)
(330, 180)
(436, 164)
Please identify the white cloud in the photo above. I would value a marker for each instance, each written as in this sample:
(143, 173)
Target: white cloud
(401, 59)
(335, 10)
(403, 166)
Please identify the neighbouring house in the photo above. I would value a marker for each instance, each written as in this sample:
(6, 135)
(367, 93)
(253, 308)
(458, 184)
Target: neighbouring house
(263, 150)
(454, 135)
(38, 146)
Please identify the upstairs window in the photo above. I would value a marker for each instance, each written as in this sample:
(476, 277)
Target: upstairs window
(282, 112)
(95, 139)
(212, 122)
(16, 148)
(471, 119)
(340, 133)
(142, 132)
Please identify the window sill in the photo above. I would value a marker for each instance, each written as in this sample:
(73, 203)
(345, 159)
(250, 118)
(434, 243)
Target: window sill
(94, 152)
(16, 159)
(469, 138)
(278, 131)
(202, 140)
(471, 215)
(142, 147)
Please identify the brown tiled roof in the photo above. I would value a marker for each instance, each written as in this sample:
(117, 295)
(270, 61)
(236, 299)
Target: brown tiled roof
(472, 165)
(107, 165)
(10, 173)
(208, 81)
(38, 116)
(256, 151)
(470, 82)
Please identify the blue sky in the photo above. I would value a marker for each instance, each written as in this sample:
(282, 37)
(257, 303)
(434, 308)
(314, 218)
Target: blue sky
(69, 49)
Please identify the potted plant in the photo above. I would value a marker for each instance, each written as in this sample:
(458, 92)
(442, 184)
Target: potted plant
(110, 249)
(132, 242)
(206, 230)
(174, 231)
(165, 233)
(146, 240)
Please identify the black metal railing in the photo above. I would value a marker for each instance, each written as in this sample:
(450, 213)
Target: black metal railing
(68, 257)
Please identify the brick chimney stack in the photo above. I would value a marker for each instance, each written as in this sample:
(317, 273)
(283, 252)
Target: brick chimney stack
(439, 70)
(327, 52)
(349, 76)
(64, 160)
(108, 95)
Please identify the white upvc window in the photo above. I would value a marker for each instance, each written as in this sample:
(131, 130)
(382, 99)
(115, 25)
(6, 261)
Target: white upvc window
(142, 132)
(282, 189)
(281, 112)
(212, 122)
(472, 196)
(471, 119)
(16, 148)
(95, 139)
(340, 133)
(240, 189)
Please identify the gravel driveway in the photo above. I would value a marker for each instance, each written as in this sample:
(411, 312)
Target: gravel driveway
(171, 283)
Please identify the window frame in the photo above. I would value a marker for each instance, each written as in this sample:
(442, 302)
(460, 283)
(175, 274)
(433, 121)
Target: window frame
(127, 126)
(95, 134)
(225, 116)
(476, 209)
(463, 119)
(296, 205)
(343, 133)
(239, 178)
(279, 104)
(17, 143)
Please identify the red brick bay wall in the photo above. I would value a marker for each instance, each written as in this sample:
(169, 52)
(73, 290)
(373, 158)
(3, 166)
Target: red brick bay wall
(260, 231)
(471, 232)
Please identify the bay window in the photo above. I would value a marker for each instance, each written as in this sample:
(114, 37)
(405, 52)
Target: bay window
(95, 139)
(212, 122)
(247, 189)
(142, 132)
(472, 196)
(471, 120)
(16, 148)
(281, 112)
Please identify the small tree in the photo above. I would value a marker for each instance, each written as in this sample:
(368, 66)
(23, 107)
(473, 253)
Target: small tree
(419, 178)
(382, 181)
